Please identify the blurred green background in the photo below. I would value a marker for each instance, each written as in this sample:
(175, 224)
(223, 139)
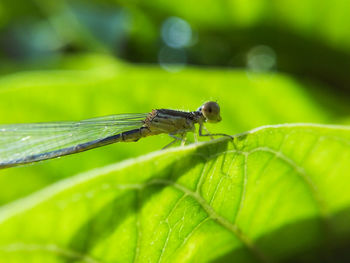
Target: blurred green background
(265, 62)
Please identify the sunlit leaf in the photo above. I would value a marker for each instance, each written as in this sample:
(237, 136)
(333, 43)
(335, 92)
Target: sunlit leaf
(92, 86)
(273, 193)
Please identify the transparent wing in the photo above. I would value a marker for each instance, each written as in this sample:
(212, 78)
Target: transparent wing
(22, 142)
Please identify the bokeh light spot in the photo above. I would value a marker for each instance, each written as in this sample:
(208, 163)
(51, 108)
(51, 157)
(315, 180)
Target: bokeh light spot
(176, 32)
(172, 59)
(261, 59)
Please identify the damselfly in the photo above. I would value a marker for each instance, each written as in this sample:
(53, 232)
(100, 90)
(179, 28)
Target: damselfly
(33, 142)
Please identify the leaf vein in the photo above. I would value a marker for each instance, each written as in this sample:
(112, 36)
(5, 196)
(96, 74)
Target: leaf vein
(215, 216)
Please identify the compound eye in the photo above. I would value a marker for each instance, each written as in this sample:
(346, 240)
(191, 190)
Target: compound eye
(211, 111)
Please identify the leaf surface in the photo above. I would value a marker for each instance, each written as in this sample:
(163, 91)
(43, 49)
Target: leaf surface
(272, 193)
(84, 87)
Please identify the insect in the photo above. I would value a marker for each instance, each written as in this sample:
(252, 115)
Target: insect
(33, 142)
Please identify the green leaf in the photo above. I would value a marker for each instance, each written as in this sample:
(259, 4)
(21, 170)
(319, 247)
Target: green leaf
(89, 86)
(274, 193)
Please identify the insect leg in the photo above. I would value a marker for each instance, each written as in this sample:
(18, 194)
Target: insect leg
(200, 132)
(183, 141)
